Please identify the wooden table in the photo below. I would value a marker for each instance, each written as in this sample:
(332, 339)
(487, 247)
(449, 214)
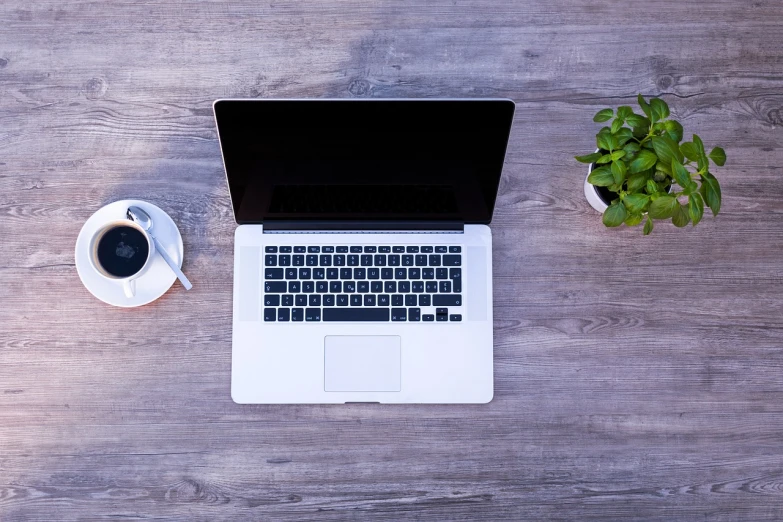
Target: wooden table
(634, 377)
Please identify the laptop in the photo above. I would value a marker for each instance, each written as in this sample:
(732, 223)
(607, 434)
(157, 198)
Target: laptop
(363, 256)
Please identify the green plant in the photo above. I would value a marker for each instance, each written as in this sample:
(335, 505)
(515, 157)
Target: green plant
(640, 157)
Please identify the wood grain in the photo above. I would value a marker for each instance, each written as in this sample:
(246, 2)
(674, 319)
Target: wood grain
(636, 378)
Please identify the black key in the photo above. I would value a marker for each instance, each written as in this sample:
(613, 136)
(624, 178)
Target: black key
(356, 249)
(407, 260)
(308, 287)
(332, 273)
(376, 287)
(327, 249)
(434, 260)
(271, 250)
(432, 287)
(297, 314)
(455, 317)
(273, 273)
(329, 298)
(398, 249)
(390, 287)
(417, 286)
(387, 273)
(383, 300)
(284, 260)
(312, 260)
(299, 250)
(318, 273)
(366, 260)
(421, 260)
(288, 300)
(404, 287)
(394, 260)
(369, 300)
(427, 273)
(384, 249)
(356, 314)
(441, 317)
(442, 273)
(424, 300)
(315, 300)
(414, 314)
(285, 249)
(445, 287)
(274, 286)
(363, 287)
(400, 273)
(380, 260)
(414, 273)
(325, 260)
(373, 273)
(356, 300)
(294, 287)
(426, 250)
(398, 314)
(272, 300)
(369, 250)
(342, 300)
(313, 314)
(455, 249)
(412, 250)
(335, 287)
(305, 273)
(440, 249)
(313, 249)
(353, 260)
(410, 300)
(301, 300)
(397, 300)
(283, 314)
(359, 273)
(452, 260)
(447, 300)
(349, 287)
(297, 260)
(270, 260)
(290, 273)
(456, 285)
(428, 317)
(342, 249)
(321, 287)
(346, 273)
(442, 311)
(270, 314)
(455, 273)
(339, 260)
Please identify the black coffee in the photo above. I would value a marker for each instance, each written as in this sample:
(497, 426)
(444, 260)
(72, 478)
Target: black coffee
(122, 251)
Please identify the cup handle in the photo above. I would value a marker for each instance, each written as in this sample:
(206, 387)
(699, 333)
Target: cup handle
(129, 287)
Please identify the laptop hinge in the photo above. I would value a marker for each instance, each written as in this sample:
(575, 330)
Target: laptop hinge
(272, 226)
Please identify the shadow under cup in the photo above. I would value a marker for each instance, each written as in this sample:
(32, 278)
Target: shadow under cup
(120, 250)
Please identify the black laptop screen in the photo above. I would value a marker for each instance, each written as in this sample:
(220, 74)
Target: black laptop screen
(363, 160)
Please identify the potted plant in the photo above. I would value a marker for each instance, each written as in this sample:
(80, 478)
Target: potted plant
(642, 168)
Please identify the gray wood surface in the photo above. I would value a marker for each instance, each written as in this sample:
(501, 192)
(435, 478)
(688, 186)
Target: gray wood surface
(635, 377)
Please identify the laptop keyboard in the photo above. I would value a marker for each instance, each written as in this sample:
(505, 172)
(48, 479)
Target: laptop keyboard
(363, 283)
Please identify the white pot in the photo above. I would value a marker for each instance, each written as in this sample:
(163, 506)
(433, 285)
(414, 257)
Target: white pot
(592, 194)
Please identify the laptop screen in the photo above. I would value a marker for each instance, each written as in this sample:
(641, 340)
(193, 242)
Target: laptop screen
(363, 160)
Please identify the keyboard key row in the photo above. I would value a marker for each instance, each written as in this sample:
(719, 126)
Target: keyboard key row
(354, 315)
(453, 273)
(362, 299)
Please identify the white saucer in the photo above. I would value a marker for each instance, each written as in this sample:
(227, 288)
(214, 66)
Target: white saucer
(155, 281)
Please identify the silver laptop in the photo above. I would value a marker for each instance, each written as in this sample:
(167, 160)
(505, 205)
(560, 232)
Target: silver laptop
(363, 259)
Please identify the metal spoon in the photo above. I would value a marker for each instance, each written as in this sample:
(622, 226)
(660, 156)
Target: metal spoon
(145, 221)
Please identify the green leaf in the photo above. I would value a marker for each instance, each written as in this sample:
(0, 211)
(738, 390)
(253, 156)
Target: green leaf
(648, 227)
(666, 149)
(663, 207)
(718, 155)
(643, 161)
(680, 216)
(622, 136)
(588, 158)
(699, 144)
(603, 115)
(617, 124)
(616, 155)
(652, 187)
(637, 181)
(660, 110)
(633, 219)
(615, 215)
(695, 208)
(710, 190)
(674, 130)
(636, 120)
(601, 177)
(681, 174)
(689, 150)
(624, 111)
(631, 148)
(636, 203)
(644, 105)
(606, 158)
(618, 171)
(663, 167)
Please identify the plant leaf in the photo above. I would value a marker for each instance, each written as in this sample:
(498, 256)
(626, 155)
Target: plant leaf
(637, 181)
(643, 161)
(622, 136)
(603, 115)
(674, 130)
(624, 111)
(633, 219)
(616, 155)
(681, 174)
(648, 227)
(601, 177)
(666, 149)
(710, 190)
(680, 216)
(606, 158)
(652, 187)
(689, 150)
(663, 207)
(636, 120)
(636, 203)
(588, 158)
(718, 155)
(615, 215)
(617, 124)
(644, 105)
(618, 171)
(699, 144)
(663, 167)
(695, 208)
(660, 110)
(602, 140)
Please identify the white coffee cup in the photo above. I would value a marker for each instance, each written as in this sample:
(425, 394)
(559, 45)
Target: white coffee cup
(128, 282)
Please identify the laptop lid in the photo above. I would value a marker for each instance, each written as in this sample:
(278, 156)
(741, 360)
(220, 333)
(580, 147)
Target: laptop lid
(362, 162)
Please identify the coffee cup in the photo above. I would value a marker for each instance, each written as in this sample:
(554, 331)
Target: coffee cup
(122, 251)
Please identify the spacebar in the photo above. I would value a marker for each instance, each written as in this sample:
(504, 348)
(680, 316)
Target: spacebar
(355, 314)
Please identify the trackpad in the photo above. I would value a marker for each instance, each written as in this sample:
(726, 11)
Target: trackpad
(362, 363)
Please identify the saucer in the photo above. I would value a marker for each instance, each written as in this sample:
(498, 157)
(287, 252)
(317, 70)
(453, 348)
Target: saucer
(155, 281)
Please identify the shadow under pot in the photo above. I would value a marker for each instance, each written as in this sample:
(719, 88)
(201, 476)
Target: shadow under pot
(601, 197)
